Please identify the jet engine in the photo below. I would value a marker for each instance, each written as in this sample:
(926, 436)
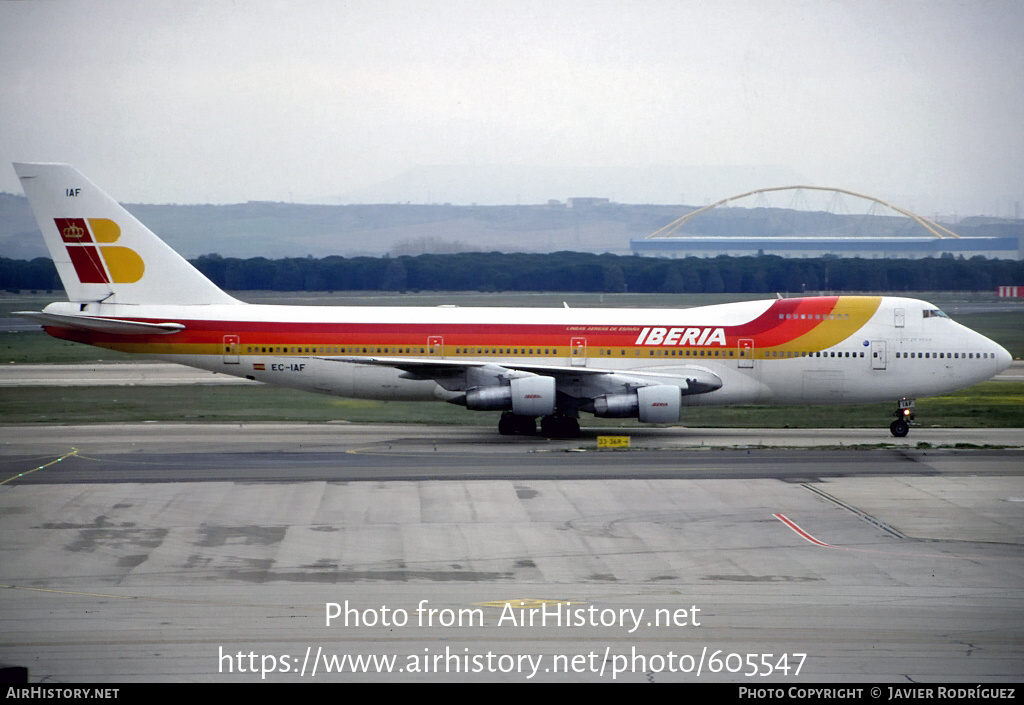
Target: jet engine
(660, 403)
(524, 396)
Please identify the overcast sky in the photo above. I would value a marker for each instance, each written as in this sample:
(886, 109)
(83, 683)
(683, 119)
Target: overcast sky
(195, 102)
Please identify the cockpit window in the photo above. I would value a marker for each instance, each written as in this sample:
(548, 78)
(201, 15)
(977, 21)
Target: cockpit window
(933, 313)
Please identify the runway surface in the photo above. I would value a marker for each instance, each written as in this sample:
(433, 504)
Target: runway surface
(341, 452)
(177, 552)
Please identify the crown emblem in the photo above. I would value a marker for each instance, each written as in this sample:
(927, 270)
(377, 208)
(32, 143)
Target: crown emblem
(73, 232)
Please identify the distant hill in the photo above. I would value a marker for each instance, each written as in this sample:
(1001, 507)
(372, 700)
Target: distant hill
(296, 230)
(276, 230)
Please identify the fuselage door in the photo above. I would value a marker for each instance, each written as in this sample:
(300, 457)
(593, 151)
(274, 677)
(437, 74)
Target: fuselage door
(230, 349)
(878, 354)
(745, 351)
(899, 319)
(435, 346)
(578, 352)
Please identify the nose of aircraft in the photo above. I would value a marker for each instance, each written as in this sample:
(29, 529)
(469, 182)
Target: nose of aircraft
(1003, 358)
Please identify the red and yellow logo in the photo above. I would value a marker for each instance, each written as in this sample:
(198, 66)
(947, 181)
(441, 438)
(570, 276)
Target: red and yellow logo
(97, 261)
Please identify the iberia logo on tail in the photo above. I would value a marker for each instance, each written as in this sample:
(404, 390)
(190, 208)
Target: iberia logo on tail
(97, 261)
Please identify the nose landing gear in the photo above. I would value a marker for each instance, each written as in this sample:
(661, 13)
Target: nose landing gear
(904, 418)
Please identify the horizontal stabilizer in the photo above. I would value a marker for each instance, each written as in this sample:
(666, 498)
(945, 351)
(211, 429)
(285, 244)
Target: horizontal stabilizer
(118, 326)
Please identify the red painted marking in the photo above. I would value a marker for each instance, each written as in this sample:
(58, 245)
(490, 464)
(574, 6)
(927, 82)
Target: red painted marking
(803, 534)
(764, 331)
(87, 265)
(73, 230)
(769, 330)
(473, 335)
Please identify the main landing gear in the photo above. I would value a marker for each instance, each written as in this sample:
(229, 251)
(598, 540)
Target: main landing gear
(560, 426)
(557, 426)
(512, 425)
(904, 417)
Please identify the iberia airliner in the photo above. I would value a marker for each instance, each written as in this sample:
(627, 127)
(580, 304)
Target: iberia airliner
(129, 291)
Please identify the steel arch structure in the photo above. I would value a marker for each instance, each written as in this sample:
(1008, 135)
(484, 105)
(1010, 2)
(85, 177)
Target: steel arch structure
(931, 226)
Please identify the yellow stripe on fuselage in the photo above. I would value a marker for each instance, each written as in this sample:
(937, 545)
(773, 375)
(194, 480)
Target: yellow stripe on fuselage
(851, 313)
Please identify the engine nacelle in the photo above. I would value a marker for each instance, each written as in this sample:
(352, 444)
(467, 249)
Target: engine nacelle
(524, 396)
(497, 398)
(616, 406)
(659, 404)
(533, 396)
(656, 404)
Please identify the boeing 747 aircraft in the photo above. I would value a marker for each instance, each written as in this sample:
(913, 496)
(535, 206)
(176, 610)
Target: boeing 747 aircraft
(129, 291)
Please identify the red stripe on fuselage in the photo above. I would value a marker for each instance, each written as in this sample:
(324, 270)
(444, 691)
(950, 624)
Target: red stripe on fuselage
(772, 327)
(768, 329)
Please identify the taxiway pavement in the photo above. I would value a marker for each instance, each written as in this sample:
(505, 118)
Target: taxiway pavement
(217, 552)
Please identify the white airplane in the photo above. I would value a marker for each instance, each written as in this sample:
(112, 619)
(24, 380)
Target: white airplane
(129, 291)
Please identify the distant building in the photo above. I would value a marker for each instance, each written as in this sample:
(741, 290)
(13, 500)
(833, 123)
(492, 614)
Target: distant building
(579, 203)
(1011, 292)
(792, 233)
(1003, 247)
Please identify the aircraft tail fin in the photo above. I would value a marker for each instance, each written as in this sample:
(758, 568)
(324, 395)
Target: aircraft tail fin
(101, 251)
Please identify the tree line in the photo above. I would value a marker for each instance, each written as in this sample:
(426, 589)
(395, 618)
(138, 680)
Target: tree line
(574, 271)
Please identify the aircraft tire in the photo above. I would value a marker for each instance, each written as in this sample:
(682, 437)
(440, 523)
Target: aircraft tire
(526, 425)
(512, 424)
(507, 425)
(899, 428)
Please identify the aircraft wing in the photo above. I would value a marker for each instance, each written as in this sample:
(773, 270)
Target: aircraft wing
(578, 381)
(427, 367)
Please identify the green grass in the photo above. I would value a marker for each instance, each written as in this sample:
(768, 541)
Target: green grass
(38, 347)
(200, 403)
(990, 404)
